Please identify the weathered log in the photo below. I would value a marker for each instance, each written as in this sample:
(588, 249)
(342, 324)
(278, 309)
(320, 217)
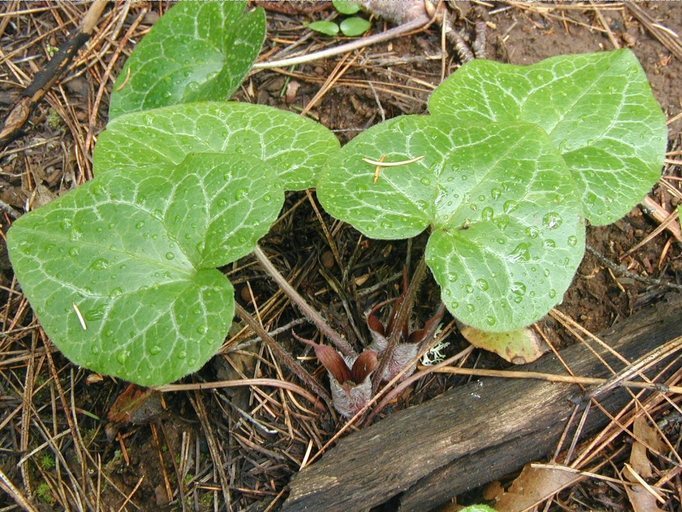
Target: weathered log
(474, 433)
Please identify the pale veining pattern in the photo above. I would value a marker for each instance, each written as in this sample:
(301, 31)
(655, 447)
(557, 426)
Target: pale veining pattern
(507, 231)
(597, 108)
(292, 147)
(196, 51)
(122, 271)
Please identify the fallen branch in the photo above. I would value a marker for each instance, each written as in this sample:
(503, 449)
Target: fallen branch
(472, 434)
(45, 79)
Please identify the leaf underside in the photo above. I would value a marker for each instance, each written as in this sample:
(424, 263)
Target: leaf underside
(122, 271)
(293, 147)
(598, 109)
(507, 234)
(197, 51)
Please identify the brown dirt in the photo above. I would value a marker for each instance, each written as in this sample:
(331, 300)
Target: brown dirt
(241, 446)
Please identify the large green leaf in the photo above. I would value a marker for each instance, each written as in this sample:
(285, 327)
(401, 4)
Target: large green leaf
(597, 108)
(293, 147)
(507, 231)
(134, 256)
(197, 51)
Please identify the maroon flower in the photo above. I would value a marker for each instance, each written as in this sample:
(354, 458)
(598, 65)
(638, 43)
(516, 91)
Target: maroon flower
(349, 379)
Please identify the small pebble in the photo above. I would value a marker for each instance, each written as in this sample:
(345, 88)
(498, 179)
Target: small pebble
(629, 40)
(327, 259)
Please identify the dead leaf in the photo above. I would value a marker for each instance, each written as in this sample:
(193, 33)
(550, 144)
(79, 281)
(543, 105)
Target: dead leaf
(642, 496)
(135, 405)
(41, 196)
(533, 486)
(236, 365)
(641, 499)
(645, 435)
(518, 347)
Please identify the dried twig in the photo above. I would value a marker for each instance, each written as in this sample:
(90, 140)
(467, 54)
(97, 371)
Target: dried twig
(620, 269)
(341, 344)
(663, 34)
(42, 82)
(284, 356)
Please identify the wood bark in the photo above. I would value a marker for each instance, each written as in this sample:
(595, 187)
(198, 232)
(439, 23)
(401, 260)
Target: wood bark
(423, 456)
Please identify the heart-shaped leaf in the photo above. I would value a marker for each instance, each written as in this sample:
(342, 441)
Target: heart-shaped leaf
(197, 51)
(598, 109)
(122, 271)
(293, 147)
(507, 231)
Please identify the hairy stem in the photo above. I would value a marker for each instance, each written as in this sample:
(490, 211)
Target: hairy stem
(403, 316)
(339, 342)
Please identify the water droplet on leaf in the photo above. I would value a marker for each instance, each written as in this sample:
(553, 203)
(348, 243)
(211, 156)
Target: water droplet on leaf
(510, 206)
(520, 253)
(502, 222)
(552, 220)
(99, 264)
(518, 289)
(95, 313)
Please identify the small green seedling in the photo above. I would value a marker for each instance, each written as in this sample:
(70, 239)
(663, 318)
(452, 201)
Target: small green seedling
(503, 173)
(123, 271)
(351, 26)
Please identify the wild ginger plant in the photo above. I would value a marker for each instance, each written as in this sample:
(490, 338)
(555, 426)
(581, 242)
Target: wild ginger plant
(504, 172)
(123, 271)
